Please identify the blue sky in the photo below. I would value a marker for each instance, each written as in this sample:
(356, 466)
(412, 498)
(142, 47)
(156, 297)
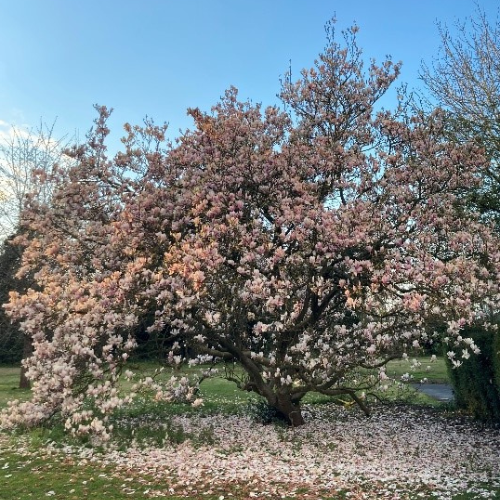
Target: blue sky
(159, 57)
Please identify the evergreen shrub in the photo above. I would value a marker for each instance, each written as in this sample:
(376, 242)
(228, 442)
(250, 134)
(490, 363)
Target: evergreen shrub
(476, 383)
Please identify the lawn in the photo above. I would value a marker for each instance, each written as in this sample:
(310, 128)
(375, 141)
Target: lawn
(403, 451)
(424, 368)
(9, 385)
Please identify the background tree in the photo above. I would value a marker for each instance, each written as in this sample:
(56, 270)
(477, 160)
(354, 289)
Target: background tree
(306, 245)
(26, 157)
(465, 80)
(11, 345)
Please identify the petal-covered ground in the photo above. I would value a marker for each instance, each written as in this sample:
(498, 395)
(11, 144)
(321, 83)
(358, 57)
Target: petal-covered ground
(396, 452)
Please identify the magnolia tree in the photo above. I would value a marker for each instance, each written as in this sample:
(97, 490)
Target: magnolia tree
(305, 245)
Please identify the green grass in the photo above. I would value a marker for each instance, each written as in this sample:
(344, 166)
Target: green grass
(223, 396)
(9, 385)
(25, 477)
(435, 372)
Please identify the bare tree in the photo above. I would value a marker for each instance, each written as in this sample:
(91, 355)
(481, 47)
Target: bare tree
(25, 155)
(465, 80)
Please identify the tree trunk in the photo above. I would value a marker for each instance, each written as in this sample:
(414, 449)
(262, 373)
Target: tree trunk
(24, 382)
(289, 410)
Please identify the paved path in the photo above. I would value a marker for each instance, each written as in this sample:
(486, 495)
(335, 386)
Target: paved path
(441, 392)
